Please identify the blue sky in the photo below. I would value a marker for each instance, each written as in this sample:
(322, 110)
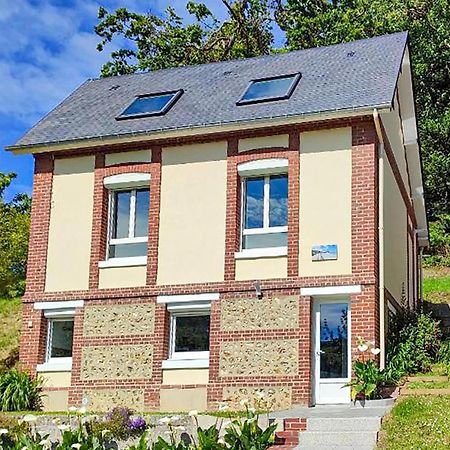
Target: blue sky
(47, 49)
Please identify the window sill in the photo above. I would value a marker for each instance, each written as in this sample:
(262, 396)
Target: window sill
(65, 366)
(124, 262)
(261, 253)
(185, 364)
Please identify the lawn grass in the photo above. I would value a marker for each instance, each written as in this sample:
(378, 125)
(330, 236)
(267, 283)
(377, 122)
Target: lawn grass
(429, 385)
(421, 422)
(436, 285)
(10, 311)
(437, 370)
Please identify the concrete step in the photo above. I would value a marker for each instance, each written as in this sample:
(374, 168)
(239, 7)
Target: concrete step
(328, 424)
(338, 438)
(334, 447)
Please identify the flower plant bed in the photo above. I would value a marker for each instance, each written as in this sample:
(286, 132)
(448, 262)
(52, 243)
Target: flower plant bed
(120, 429)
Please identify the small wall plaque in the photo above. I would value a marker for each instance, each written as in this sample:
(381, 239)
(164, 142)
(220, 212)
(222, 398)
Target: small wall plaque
(324, 252)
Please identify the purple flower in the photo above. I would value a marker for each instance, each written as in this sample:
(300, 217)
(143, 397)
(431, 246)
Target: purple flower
(137, 424)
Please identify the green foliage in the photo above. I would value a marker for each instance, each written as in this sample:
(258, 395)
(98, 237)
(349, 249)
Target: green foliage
(155, 42)
(14, 232)
(15, 430)
(413, 344)
(444, 356)
(248, 435)
(142, 443)
(439, 251)
(19, 392)
(366, 381)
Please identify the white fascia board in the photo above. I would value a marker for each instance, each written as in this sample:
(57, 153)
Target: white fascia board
(127, 180)
(331, 290)
(70, 304)
(189, 298)
(268, 166)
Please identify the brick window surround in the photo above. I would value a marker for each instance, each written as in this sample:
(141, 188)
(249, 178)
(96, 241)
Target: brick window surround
(100, 214)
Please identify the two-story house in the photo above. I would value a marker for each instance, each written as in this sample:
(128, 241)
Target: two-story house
(201, 233)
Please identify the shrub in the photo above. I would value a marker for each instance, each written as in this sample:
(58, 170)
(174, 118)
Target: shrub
(439, 251)
(413, 344)
(14, 430)
(19, 392)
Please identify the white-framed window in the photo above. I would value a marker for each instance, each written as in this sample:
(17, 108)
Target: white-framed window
(264, 222)
(128, 223)
(189, 329)
(189, 334)
(59, 340)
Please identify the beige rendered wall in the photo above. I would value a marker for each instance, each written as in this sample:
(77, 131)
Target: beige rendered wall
(55, 400)
(261, 268)
(395, 236)
(183, 399)
(56, 379)
(393, 126)
(69, 240)
(279, 140)
(185, 376)
(325, 199)
(128, 157)
(119, 277)
(192, 217)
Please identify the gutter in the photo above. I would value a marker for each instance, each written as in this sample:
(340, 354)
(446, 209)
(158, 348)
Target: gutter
(382, 330)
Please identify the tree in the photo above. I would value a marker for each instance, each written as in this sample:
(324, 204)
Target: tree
(157, 43)
(14, 232)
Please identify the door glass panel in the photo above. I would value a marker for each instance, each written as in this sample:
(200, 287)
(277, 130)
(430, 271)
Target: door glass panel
(333, 340)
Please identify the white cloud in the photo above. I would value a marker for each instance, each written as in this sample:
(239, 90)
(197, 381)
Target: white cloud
(48, 48)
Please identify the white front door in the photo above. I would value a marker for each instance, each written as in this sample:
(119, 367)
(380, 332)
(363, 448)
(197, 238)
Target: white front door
(332, 351)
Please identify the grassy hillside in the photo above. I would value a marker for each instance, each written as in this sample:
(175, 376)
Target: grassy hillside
(436, 285)
(10, 310)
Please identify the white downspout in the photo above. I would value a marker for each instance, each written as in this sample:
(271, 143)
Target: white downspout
(376, 119)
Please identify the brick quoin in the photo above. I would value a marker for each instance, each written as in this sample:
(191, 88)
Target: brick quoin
(364, 308)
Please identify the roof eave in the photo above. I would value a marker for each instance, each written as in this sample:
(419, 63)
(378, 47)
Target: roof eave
(203, 129)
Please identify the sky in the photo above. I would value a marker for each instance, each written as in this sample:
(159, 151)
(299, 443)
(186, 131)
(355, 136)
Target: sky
(48, 49)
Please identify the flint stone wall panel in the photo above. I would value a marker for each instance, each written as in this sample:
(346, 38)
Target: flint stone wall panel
(273, 397)
(259, 358)
(106, 399)
(119, 320)
(117, 362)
(251, 314)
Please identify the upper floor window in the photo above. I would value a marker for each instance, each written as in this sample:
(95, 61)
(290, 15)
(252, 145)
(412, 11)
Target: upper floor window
(265, 211)
(128, 233)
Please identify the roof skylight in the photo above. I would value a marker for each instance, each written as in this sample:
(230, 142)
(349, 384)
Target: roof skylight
(150, 105)
(268, 89)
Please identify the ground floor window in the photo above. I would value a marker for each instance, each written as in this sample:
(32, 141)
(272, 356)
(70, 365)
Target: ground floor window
(60, 339)
(189, 333)
(189, 329)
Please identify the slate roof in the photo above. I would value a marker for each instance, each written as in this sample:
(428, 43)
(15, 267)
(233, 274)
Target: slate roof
(339, 77)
